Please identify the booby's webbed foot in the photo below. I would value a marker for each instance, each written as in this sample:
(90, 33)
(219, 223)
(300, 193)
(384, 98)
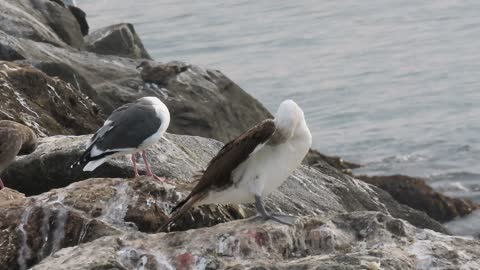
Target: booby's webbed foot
(1, 184)
(286, 220)
(278, 217)
(278, 214)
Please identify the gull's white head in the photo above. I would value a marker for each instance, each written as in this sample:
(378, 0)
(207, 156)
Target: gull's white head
(160, 108)
(149, 101)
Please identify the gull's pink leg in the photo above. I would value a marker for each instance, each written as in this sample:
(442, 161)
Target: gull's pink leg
(1, 184)
(149, 171)
(134, 161)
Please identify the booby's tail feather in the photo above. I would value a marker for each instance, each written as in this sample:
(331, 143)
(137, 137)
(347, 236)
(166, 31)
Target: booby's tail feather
(196, 177)
(182, 207)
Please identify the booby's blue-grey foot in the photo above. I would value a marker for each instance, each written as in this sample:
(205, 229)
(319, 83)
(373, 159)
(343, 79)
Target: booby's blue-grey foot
(280, 218)
(1, 184)
(278, 214)
(149, 171)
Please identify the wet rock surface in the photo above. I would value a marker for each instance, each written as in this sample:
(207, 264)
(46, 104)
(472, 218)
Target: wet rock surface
(45, 104)
(34, 228)
(316, 190)
(106, 221)
(359, 240)
(415, 193)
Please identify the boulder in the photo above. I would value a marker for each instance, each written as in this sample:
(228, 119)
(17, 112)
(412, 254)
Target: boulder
(119, 39)
(66, 73)
(313, 157)
(81, 19)
(7, 53)
(415, 193)
(42, 21)
(202, 102)
(358, 240)
(7, 194)
(34, 228)
(179, 157)
(47, 105)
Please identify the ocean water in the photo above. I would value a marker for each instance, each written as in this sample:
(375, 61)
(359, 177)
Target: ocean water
(393, 85)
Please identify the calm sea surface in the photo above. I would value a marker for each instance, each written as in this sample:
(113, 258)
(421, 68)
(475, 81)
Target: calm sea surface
(393, 85)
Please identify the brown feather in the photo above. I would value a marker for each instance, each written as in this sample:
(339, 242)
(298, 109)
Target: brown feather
(219, 170)
(187, 204)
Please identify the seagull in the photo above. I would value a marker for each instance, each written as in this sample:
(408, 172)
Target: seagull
(130, 129)
(15, 139)
(253, 165)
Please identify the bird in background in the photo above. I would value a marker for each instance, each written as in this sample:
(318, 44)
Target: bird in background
(253, 165)
(130, 129)
(15, 139)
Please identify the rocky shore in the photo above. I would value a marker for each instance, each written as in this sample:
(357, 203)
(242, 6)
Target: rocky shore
(62, 81)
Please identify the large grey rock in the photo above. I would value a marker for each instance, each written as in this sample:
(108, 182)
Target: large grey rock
(314, 156)
(66, 73)
(119, 39)
(178, 158)
(33, 228)
(358, 240)
(202, 102)
(81, 17)
(45, 104)
(415, 193)
(308, 191)
(88, 210)
(40, 20)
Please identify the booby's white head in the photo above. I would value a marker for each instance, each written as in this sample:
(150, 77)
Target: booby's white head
(289, 115)
(290, 122)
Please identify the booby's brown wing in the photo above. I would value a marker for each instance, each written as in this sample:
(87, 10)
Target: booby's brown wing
(219, 170)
